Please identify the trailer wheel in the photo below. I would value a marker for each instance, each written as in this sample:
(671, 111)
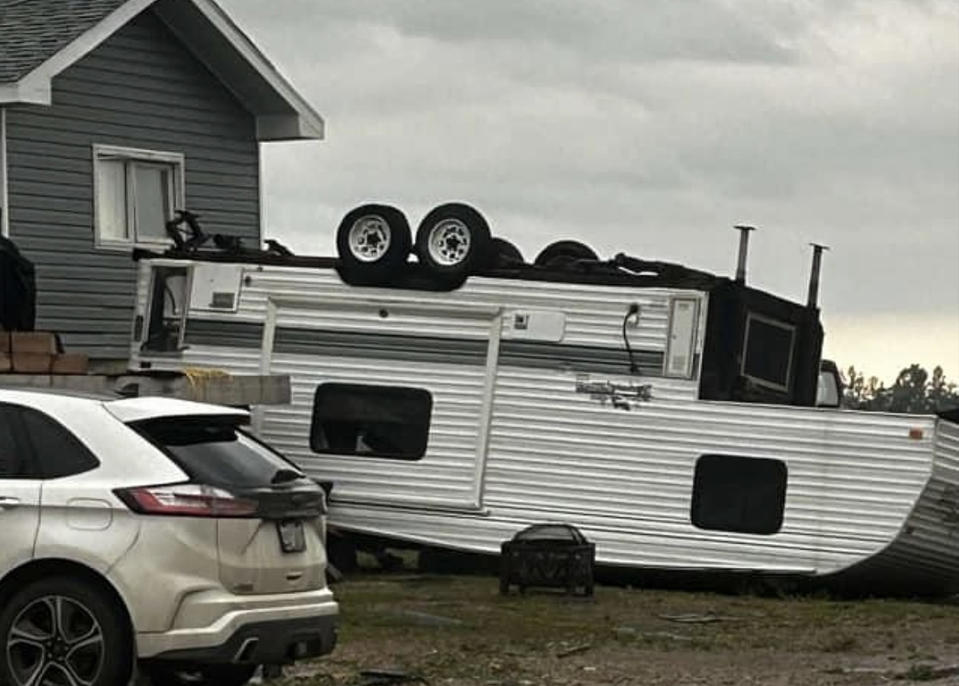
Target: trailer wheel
(373, 242)
(504, 254)
(341, 552)
(564, 253)
(453, 240)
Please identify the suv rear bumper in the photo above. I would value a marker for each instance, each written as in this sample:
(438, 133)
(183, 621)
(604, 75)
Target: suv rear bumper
(252, 629)
(276, 642)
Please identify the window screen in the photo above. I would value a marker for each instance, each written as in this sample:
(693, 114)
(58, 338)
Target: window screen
(57, 451)
(741, 494)
(768, 350)
(371, 421)
(111, 201)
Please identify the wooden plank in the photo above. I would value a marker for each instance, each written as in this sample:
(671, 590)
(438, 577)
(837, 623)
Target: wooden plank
(234, 391)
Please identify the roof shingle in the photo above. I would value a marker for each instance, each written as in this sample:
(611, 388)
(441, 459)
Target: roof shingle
(32, 31)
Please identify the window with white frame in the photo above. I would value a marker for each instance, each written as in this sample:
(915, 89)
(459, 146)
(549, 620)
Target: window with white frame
(135, 194)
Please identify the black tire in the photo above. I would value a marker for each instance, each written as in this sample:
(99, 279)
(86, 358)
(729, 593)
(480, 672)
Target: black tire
(373, 242)
(453, 241)
(564, 253)
(341, 553)
(504, 254)
(91, 641)
(164, 674)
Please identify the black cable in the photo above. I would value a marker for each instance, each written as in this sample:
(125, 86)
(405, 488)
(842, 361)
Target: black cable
(633, 310)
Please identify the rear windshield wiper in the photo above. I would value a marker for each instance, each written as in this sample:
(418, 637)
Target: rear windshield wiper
(284, 475)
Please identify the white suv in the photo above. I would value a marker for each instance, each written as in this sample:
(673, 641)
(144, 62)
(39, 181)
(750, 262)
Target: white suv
(152, 530)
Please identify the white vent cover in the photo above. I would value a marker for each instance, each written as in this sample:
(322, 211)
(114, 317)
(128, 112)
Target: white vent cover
(216, 287)
(683, 316)
(534, 325)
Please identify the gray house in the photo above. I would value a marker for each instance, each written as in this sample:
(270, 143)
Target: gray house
(114, 113)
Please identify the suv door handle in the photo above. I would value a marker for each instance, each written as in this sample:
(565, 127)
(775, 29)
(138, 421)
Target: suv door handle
(6, 502)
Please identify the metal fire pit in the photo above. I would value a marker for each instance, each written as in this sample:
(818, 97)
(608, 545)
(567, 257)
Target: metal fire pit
(548, 555)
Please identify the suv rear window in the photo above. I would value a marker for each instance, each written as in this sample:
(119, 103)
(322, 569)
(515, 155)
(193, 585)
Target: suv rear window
(217, 453)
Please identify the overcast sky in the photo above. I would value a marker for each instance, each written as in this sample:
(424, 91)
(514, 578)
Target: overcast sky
(651, 128)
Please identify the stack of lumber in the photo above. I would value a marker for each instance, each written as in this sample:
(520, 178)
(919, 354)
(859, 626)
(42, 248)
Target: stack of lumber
(37, 352)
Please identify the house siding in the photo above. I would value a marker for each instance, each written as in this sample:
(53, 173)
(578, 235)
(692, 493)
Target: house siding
(140, 88)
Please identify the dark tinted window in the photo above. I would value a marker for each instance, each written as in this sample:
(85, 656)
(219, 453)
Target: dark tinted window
(217, 453)
(371, 421)
(58, 452)
(15, 462)
(742, 494)
(767, 358)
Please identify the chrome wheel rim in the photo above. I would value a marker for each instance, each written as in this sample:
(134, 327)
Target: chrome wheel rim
(449, 242)
(55, 641)
(369, 238)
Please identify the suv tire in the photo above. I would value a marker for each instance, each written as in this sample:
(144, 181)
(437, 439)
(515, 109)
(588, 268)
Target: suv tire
(65, 626)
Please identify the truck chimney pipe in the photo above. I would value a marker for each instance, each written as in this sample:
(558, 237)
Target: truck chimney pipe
(743, 251)
(812, 299)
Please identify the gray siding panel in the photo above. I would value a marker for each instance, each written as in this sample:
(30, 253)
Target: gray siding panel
(141, 88)
(529, 354)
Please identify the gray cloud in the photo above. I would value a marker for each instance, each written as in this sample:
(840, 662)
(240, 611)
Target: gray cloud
(648, 127)
(604, 29)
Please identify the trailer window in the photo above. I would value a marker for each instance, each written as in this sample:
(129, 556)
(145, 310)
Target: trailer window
(768, 352)
(740, 494)
(371, 421)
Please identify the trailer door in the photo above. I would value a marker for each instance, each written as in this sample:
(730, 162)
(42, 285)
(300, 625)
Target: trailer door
(391, 398)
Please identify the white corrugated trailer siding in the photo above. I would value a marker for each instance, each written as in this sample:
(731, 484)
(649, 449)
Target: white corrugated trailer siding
(859, 486)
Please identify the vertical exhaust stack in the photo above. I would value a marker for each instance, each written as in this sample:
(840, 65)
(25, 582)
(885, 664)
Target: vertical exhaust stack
(812, 300)
(743, 251)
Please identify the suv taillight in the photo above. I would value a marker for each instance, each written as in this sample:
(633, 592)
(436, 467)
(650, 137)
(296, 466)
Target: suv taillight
(186, 500)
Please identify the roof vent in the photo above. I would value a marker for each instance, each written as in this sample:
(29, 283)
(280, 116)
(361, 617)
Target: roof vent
(743, 251)
(813, 298)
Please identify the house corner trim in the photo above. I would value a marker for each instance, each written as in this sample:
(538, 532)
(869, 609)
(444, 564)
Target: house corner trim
(4, 173)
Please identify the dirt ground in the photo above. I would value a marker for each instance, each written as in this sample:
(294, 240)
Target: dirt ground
(460, 631)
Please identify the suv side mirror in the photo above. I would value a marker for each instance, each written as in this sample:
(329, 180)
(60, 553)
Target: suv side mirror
(829, 391)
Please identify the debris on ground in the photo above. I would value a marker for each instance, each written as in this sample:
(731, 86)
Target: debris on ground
(417, 618)
(386, 677)
(582, 648)
(693, 618)
(915, 672)
(458, 631)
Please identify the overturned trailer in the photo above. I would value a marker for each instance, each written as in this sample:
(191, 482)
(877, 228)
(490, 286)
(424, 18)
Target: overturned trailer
(676, 417)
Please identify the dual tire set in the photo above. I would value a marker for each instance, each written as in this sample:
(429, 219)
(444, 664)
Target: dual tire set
(375, 241)
(452, 242)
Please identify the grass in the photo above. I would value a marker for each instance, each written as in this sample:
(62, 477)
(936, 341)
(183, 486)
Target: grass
(460, 630)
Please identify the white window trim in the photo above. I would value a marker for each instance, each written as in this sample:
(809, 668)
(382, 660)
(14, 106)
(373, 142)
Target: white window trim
(4, 196)
(140, 155)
